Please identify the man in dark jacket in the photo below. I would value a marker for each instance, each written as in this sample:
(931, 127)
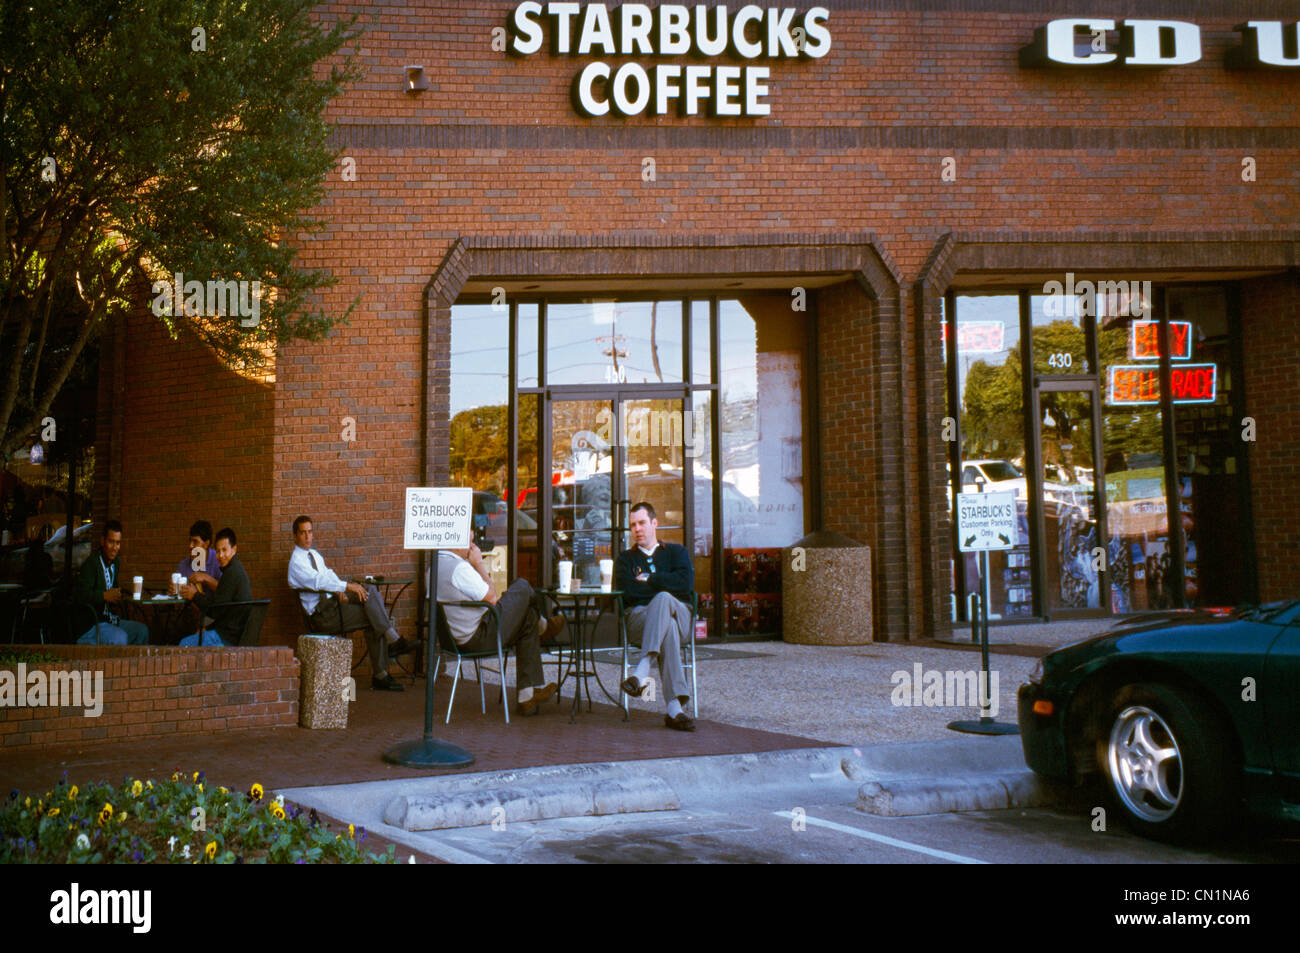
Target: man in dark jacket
(98, 587)
(656, 580)
(232, 587)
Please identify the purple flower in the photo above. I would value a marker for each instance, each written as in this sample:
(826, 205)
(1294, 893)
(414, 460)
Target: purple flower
(136, 856)
(13, 794)
(300, 861)
(362, 838)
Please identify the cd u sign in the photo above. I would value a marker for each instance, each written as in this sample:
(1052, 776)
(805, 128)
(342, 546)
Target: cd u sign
(1081, 41)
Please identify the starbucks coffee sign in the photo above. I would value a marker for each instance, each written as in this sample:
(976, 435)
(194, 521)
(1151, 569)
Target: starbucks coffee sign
(747, 34)
(1084, 41)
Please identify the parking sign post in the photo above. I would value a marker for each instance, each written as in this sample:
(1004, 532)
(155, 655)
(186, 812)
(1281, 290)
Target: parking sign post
(985, 521)
(436, 519)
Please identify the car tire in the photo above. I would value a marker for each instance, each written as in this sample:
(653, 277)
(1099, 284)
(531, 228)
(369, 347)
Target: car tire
(1169, 764)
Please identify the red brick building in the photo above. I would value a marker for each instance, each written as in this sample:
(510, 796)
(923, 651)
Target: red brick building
(539, 289)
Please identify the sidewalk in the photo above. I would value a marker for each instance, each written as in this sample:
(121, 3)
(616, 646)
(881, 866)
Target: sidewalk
(755, 697)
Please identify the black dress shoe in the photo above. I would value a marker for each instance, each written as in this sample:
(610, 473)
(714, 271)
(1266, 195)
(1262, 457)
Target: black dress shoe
(681, 722)
(386, 684)
(401, 647)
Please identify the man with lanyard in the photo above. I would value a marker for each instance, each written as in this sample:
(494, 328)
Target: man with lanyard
(98, 588)
(656, 580)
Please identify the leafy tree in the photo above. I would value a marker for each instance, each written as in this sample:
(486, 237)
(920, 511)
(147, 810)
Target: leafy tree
(140, 139)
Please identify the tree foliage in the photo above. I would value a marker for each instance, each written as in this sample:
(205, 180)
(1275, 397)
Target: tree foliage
(141, 139)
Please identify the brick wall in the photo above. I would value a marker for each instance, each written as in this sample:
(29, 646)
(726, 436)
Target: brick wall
(1270, 336)
(160, 691)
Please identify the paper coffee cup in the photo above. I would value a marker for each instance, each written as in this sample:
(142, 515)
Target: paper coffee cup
(606, 575)
(566, 575)
(137, 586)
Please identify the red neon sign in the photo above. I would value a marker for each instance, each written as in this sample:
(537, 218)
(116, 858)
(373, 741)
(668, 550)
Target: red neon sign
(1189, 384)
(1144, 340)
(980, 337)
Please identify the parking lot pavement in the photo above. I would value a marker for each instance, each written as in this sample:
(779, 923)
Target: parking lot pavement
(835, 833)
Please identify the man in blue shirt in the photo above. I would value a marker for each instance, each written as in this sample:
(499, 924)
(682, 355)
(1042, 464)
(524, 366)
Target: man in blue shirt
(656, 580)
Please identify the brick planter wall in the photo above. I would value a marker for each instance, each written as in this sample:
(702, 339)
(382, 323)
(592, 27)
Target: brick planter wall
(160, 691)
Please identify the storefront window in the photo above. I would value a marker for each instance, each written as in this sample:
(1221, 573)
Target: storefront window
(1059, 332)
(1138, 554)
(1208, 438)
(614, 342)
(991, 410)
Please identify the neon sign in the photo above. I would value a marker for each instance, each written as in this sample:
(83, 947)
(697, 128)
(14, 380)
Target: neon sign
(980, 337)
(1144, 340)
(1140, 384)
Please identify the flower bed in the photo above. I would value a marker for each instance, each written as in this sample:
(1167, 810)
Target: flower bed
(180, 821)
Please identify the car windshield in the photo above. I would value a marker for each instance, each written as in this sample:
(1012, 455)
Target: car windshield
(1268, 611)
(1000, 470)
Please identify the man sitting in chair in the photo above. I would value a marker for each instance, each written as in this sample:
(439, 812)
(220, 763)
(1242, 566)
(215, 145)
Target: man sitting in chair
(359, 607)
(462, 576)
(232, 587)
(98, 587)
(656, 580)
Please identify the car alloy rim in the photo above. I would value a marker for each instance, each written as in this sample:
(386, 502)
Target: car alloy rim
(1146, 767)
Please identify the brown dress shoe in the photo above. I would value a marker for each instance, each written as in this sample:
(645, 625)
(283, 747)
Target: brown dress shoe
(554, 625)
(680, 722)
(539, 695)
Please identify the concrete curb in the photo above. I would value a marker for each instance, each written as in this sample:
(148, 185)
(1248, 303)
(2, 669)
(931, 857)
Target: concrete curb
(427, 812)
(992, 792)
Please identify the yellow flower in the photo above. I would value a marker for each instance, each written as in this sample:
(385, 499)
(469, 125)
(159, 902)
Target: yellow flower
(54, 812)
(121, 818)
(211, 850)
(176, 775)
(149, 785)
(352, 832)
(256, 792)
(137, 789)
(223, 790)
(200, 788)
(106, 813)
(28, 802)
(72, 793)
(277, 812)
(196, 777)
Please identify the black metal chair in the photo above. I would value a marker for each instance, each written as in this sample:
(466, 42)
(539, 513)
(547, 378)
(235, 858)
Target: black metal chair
(250, 634)
(449, 644)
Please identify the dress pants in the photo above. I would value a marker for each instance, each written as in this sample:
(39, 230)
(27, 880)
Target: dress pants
(661, 627)
(372, 617)
(519, 618)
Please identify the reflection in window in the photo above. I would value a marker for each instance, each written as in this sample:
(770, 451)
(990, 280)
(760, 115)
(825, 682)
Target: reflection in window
(993, 439)
(1059, 334)
(614, 342)
(1138, 555)
(761, 430)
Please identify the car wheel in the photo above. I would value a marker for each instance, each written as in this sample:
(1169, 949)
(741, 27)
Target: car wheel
(1168, 763)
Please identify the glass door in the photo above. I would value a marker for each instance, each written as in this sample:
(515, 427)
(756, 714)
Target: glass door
(610, 448)
(1070, 526)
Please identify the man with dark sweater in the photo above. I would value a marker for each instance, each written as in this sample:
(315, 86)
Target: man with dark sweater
(656, 580)
(232, 587)
(99, 588)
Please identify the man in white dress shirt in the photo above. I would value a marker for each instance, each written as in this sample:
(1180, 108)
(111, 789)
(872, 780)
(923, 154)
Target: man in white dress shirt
(355, 605)
(463, 576)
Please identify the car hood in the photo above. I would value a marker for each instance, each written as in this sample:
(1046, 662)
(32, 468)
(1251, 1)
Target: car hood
(1174, 630)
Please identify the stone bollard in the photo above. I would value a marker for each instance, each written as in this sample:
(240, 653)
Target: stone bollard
(826, 591)
(327, 687)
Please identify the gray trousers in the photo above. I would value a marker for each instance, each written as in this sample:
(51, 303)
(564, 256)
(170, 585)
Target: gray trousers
(661, 627)
(372, 617)
(519, 618)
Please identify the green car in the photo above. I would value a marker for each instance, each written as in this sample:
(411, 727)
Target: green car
(1190, 717)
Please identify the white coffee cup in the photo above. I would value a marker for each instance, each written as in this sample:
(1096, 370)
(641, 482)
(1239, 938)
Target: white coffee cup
(177, 581)
(566, 575)
(137, 587)
(606, 575)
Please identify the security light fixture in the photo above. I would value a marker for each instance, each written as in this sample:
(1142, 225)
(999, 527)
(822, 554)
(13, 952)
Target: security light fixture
(416, 81)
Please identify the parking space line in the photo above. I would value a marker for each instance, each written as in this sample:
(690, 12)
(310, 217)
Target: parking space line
(881, 838)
